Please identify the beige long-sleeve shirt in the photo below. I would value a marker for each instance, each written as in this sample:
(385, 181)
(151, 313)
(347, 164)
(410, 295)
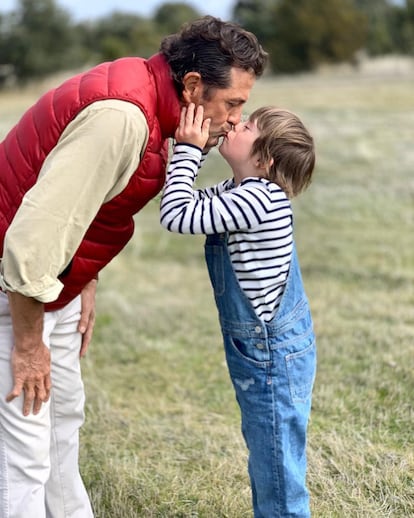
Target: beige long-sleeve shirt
(92, 162)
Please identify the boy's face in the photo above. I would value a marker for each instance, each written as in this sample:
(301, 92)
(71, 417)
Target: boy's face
(223, 105)
(237, 145)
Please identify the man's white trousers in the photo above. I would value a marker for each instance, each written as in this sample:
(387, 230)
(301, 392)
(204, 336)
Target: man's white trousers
(39, 474)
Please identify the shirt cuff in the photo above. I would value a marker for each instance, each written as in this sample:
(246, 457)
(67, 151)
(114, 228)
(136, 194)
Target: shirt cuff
(191, 149)
(45, 290)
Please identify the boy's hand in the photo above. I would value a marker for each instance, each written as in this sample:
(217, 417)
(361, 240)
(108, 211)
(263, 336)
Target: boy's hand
(192, 128)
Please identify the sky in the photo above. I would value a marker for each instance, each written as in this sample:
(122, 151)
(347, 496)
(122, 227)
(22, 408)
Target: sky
(83, 9)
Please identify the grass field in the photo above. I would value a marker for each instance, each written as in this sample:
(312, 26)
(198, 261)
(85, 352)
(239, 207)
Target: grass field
(162, 435)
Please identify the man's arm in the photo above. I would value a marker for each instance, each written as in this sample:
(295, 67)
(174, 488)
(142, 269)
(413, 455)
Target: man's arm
(92, 163)
(30, 356)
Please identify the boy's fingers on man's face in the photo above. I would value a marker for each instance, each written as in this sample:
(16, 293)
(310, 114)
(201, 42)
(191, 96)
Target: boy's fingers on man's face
(183, 115)
(190, 112)
(200, 112)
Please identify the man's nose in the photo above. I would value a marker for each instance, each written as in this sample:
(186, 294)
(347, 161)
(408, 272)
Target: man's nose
(235, 116)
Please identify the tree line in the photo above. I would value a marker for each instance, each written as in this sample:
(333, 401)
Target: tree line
(40, 37)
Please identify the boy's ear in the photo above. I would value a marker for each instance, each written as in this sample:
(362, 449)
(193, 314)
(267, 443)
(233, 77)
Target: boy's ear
(192, 88)
(265, 165)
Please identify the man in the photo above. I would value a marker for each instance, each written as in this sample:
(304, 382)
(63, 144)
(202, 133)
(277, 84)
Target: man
(74, 170)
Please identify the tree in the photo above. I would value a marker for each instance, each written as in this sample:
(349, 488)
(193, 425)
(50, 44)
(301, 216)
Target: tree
(171, 16)
(401, 27)
(120, 34)
(378, 15)
(39, 39)
(408, 29)
(257, 15)
(303, 34)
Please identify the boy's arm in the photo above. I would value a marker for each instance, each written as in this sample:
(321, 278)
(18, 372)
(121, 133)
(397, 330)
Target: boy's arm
(187, 211)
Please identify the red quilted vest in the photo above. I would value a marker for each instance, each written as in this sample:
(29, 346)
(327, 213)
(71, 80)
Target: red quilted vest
(146, 83)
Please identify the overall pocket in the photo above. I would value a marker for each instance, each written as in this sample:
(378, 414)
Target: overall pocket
(253, 352)
(301, 371)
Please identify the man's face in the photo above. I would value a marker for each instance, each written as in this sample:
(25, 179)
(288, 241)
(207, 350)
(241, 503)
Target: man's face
(224, 105)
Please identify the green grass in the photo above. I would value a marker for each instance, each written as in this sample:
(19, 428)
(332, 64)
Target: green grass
(162, 436)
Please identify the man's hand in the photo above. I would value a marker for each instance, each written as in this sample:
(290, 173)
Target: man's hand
(31, 371)
(87, 319)
(192, 128)
(30, 356)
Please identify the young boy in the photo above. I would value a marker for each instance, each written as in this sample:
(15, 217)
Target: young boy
(253, 266)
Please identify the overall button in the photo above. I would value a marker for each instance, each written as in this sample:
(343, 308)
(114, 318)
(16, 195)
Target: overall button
(260, 346)
(257, 329)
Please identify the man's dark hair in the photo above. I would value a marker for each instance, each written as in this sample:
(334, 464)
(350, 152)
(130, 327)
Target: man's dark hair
(212, 47)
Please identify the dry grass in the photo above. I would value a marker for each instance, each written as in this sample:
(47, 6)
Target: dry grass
(162, 432)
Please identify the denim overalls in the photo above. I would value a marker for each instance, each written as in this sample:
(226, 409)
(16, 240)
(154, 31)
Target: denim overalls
(272, 367)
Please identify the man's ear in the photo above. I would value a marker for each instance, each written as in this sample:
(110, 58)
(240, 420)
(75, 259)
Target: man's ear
(192, 88)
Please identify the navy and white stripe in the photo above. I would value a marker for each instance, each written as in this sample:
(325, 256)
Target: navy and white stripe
(256, 214)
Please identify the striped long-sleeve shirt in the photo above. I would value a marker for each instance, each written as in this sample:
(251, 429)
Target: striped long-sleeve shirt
(256, 214)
